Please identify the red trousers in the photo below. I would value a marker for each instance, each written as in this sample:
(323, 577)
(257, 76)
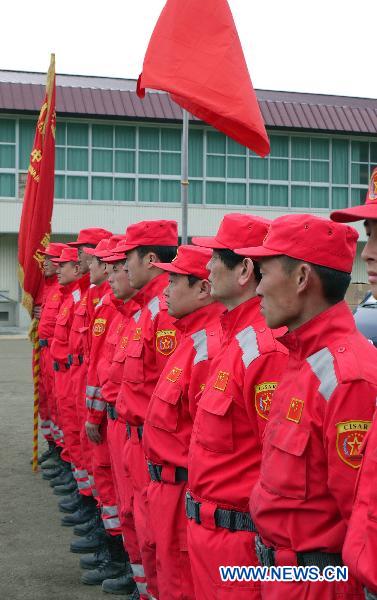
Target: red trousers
(66, 417)
(318, 590)
(166, 504)
(85, 459)
(104, 484)
(44, 392)
(116, 438)
(211, 547)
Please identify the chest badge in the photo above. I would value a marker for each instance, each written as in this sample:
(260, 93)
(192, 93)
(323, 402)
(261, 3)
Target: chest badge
(221, 381)
(166, 341)
(263, 396)
(295, 409)
(349, 439)
(174, 374)
(99, 326)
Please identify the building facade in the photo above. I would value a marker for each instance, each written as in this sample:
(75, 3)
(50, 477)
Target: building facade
(118, 160)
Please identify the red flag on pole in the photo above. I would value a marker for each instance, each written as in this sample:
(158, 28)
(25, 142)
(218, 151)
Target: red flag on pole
(35, 226)
(195, 54)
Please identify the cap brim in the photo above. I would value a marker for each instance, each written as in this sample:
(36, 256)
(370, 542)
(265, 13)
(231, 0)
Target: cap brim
(57, 261)
(170, 268)
(127, 247)
(356, 213)
(257, 252)
(47, 254)
(112, 258)
(91, 251)
(209, 242)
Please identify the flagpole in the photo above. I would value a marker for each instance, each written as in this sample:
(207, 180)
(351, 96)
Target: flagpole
(184, 178)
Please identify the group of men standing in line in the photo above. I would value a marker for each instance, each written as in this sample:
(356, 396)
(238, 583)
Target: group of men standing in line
(212, 405)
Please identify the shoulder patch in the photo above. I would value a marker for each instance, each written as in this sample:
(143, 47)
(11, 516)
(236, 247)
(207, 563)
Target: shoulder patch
(154, 307)
(263, 396)
(247, 340)
(99, 326)
(200, 345)
(349, 439)
(166, 341)
(322, 365)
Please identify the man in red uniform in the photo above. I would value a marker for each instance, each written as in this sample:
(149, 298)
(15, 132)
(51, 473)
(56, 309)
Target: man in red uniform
(153, 339)
(360, 546)
(68, 276)
(225, 449)
(321, 409)
(49, 310)
(171, 413)
(78, 359)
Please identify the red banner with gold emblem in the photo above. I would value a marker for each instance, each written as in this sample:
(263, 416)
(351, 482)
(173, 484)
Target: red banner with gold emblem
(35, 226)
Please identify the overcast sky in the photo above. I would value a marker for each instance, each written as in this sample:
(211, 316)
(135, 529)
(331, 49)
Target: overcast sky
(324, 46)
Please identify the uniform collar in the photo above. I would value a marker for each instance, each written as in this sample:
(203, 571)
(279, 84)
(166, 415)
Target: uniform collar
(69, 288)
(200, 318)
(331, 324)
(154, 287)
(84, 282)
(244, 314)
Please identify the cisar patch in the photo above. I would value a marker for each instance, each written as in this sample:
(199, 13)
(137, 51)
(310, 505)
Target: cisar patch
(263, 396)
(349, 439)
(99, 326)
(166, 341)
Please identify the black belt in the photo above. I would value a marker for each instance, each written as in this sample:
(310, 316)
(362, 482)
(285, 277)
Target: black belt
(139, 430)
(43, 343)
(181, 474)
(111, 411)
(71, 359)
(229, 519)
(266, 557)
(56, 365)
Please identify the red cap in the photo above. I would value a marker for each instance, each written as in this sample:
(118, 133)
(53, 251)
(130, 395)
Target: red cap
(53, 249)
(150, 233)
(308, 238)
(91, 236)
(67, 255)
(363, 211)
(104, 247)
(236, 230)
(189, 260)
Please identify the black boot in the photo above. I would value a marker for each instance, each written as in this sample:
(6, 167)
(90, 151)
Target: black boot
(63, 479)
(90, 543)
(65, 490)
(82, 514)
(122, 586)
(91, 561)
(53, 459)
(112, 567)
(89, 526)
(50, 474)
(71, 503)
(47, 453)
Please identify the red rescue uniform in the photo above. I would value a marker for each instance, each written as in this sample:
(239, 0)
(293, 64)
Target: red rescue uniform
(225, 451)
(166, 439)
(152, 341)
(47, 404)
(320, 414)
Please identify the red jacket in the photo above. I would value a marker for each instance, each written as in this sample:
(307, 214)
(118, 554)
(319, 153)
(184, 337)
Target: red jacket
(360, 546)
(311, 453)
(225, 449)
(104, 313)
(152, 340)
(52, 296)
(111, 370)
(172, 409)
(71, 295)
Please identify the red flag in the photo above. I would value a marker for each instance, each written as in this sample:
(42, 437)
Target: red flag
(35, 226)
(195, 54)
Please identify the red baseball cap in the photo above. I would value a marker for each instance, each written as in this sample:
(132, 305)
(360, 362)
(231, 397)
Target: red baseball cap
(67, 255)
(92, 235)
(104, 247)
(189, 260)
(150, 233)
(53, 249)
(363, 211)
(236, 229)
(308, 238)
(116, 254)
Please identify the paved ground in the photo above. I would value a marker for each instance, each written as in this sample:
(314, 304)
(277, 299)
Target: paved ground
(35, 563)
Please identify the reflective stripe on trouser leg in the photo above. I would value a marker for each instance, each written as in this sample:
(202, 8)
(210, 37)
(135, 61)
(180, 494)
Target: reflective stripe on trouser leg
(83, 485)
(139, 577)
(113, 523)
(46, 427)
(92, 484)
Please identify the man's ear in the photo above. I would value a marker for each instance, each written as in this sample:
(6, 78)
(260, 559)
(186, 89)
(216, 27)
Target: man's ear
(302, 274)
(246, 270)
(150, 258)
(204, 289)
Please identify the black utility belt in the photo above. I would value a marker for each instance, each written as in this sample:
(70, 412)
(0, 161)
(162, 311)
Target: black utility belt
(138, 428)
(266, 557)
(233, 520)
(58, 366)
(43, 343)
(75, 359)
(111, 411)
(155, 472)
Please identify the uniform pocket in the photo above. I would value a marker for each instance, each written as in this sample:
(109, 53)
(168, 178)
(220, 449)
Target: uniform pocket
(215, 426)
(284, 463)
(133, 365)
(164, 408)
